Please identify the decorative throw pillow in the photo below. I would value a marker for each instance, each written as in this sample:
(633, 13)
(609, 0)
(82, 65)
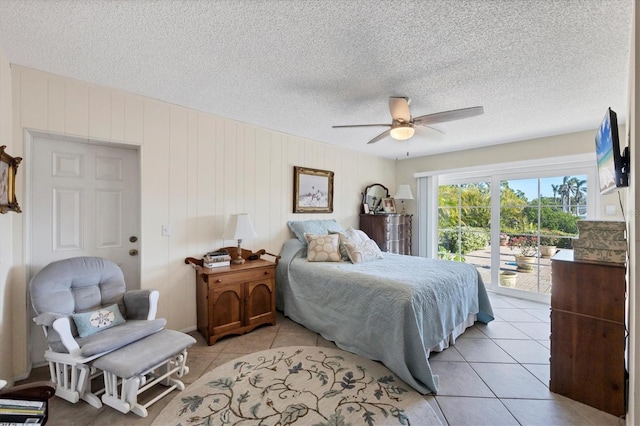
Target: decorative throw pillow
(322, 248)
(89, 323)
(354, 236)
(342, 238)
(364, 251)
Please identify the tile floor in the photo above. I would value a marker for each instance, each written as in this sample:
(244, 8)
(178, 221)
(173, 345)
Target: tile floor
(495, 374)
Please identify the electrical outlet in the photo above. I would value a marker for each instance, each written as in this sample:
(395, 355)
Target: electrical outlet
(166, 230)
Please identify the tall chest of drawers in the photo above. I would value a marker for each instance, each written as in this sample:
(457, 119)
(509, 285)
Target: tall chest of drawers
(588, 332)
(392, 232)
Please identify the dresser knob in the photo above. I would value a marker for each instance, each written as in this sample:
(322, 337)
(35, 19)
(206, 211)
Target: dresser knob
(218, 281)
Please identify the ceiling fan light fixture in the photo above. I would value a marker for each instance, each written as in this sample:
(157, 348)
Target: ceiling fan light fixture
(402, 133)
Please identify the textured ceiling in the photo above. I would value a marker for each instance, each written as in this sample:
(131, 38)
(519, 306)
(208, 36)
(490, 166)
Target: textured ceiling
(539, 68)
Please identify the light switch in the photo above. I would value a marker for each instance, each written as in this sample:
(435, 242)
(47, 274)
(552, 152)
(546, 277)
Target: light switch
(166, 230)
(610, 210)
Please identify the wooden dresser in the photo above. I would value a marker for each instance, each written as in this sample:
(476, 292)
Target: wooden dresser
(588, 332)
(234, 299)
(392, 232)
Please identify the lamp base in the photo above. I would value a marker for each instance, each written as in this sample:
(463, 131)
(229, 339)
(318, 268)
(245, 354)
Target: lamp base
(238, 260)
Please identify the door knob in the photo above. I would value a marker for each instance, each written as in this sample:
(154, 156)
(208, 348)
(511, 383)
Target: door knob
(133, 238)
(133, 252)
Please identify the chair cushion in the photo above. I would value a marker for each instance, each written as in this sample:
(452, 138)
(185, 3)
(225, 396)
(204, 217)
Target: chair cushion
(142, 355)
(118, 336)
(77, 284)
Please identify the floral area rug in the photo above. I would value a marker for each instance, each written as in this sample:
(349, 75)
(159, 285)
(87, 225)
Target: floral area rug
(299, 385)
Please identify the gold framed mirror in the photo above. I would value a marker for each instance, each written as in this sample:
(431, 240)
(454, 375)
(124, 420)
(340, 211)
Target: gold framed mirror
(8, 169)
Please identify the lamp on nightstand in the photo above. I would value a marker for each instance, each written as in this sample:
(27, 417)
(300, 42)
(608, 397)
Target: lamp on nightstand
(403, 193)
(239, 228)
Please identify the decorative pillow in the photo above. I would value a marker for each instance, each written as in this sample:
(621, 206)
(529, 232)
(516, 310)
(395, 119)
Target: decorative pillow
(89, 323)
(351, 235)
(317, 227)
(323, 248)
(356, 235)
(342, 238)
(365, 251)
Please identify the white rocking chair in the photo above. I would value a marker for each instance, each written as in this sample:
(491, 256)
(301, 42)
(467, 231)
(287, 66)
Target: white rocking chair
(84, 284)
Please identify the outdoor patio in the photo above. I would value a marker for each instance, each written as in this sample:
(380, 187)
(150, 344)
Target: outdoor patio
(537, 281)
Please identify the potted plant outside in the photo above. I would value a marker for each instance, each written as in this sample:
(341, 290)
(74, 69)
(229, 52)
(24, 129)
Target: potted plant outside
(504, 239)
(508, 278)
(527, 247)
(548, 246)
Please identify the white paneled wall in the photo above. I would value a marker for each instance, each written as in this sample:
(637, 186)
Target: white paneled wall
(197, 169)
(6, 220)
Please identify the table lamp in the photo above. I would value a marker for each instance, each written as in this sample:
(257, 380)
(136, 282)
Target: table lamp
(239, 228)
(403, 193)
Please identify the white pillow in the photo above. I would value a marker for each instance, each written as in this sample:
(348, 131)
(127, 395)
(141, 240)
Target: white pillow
(365, 251)
(357, 238)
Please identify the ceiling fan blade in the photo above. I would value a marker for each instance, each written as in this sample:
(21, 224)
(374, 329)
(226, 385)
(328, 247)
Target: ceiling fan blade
(380, 136)
(362, 125)
(441, 117)
(399, 107)
(434, 129)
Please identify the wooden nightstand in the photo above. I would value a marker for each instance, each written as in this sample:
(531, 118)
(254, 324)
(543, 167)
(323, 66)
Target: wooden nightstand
(234, 299)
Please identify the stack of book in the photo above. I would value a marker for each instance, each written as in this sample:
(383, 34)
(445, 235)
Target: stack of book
(602, 241)
(19, 411)
(216, 259)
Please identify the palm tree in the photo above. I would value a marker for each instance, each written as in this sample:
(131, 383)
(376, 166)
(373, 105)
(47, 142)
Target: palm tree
(579, 193)
(555, 189)
(565, 193)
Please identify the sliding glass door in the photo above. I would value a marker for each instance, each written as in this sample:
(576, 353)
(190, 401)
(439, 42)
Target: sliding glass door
(537, 217)
(509, 226)
(464, 224)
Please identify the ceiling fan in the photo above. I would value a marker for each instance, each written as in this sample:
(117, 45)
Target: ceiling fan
(403, 125)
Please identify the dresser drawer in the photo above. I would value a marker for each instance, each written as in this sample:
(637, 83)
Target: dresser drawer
(242, 276)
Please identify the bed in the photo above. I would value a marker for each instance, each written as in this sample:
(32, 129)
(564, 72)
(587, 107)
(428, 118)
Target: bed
(396, 309)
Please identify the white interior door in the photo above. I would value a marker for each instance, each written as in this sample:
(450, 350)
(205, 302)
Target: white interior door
(84, 202)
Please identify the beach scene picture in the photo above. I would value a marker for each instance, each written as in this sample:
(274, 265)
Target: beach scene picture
(313, 191)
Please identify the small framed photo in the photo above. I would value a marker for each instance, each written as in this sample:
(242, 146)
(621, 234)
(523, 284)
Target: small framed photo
(312, 190)
(8, 169)
(365, 208)
(389, 205)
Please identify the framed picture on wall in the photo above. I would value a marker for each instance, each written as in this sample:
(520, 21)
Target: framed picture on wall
(312, 190)
(8, 169)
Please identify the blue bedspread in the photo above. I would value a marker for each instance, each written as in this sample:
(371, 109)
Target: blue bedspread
(391, 310)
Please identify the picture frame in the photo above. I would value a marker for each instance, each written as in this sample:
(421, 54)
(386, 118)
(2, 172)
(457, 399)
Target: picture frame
(389, 205)
(365, 208)
(8, 170)
(312, 190)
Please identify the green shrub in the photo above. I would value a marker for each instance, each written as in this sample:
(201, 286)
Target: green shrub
(470, 239)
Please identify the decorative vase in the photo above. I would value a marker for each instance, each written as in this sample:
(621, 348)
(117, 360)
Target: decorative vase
(508, 278)
(547, 251)
(525, 263)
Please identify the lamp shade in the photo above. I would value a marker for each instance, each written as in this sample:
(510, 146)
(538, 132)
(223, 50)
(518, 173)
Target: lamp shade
(403, 193)
(239, 227)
